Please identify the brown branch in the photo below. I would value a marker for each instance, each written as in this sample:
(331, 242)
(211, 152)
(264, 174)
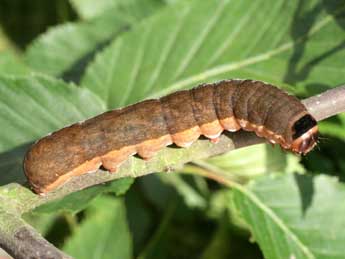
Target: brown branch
(327, 104)
(22, 241)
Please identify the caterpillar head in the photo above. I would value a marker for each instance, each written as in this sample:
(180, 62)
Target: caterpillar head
(305, 135)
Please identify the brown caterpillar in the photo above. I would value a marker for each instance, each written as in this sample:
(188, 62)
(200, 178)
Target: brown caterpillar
(110, 138)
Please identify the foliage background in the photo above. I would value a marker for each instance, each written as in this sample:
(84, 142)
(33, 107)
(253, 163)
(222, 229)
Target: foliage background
(117, 52)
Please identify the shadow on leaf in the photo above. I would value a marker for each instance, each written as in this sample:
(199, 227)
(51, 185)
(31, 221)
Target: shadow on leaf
(306, 190)
(76, 70)
(11, 165)
(304, 21)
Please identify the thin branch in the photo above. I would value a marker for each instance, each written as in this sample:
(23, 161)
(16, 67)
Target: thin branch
(327, 104)
(20, 239)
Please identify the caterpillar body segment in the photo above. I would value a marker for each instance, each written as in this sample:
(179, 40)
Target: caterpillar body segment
(181, 118)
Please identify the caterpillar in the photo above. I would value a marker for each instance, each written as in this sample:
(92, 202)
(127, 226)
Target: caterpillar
(179, 118)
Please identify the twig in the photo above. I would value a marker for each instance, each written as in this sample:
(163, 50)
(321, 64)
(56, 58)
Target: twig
(22, 241)
(327, 104)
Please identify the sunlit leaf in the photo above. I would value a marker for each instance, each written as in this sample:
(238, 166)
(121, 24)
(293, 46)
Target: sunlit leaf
(34, 106)
(10, 64)
(295, 216)
(88, 9)
(66, 49)
(246, 163)
(282, 42)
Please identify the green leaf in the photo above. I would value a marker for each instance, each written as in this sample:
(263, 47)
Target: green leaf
(334, 129)
(190, 195)
(10, 64)
(250, 162)
(61, 48)
(77, 201)
(89, 9)
(203, 41)
(31, 107)
(295, 216)
(69, 47)
(103, 233)
(158, 244)
(42, 222)
(219, 244)
(140, 218)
